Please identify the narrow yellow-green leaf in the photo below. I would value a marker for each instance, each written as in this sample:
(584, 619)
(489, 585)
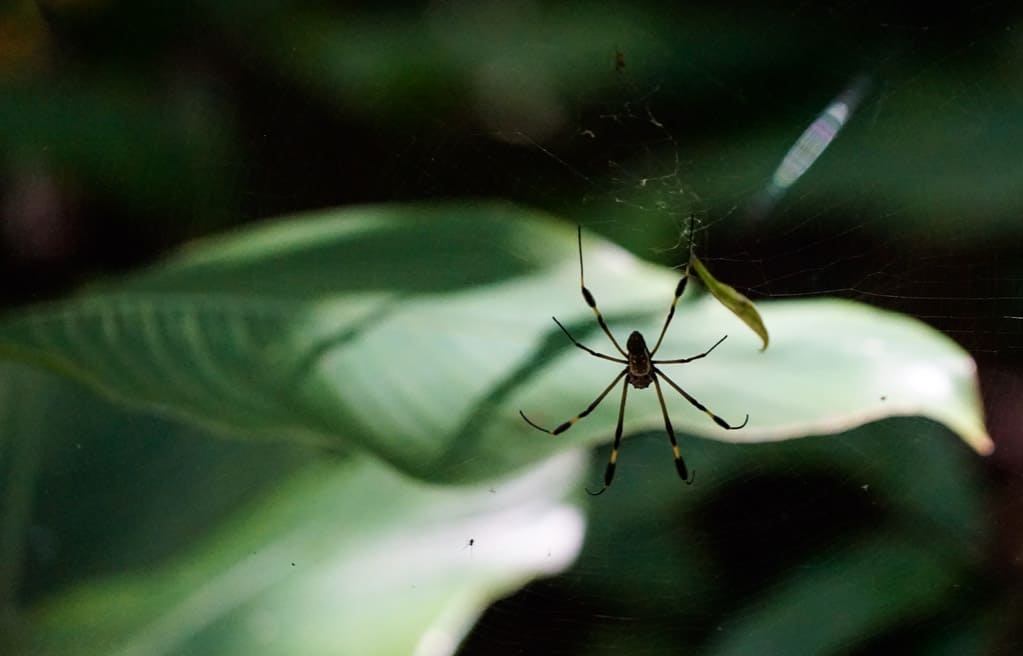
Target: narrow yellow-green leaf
(739, 305)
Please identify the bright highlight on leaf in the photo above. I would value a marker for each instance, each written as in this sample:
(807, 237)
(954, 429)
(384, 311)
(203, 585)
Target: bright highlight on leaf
(282, 580)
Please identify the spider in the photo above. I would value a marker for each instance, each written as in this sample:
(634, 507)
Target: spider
(640, 371)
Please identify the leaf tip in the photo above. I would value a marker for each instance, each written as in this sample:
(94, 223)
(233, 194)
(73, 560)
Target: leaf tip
(981, 443)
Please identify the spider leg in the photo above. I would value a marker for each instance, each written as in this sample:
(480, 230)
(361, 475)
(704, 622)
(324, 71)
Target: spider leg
(587, 348)
(609, 473)
(588, 297)
(680, 288)
(695, 357)
(680, 464)
(568, 424)
(699, 406)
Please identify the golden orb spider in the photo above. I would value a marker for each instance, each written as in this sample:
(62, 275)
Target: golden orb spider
(640, 370)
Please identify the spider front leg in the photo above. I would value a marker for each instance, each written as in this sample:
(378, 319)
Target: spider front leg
(588, 297)
(680, 289)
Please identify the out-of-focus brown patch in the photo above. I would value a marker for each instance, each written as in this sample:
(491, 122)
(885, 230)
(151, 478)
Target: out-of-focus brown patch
(25, 40)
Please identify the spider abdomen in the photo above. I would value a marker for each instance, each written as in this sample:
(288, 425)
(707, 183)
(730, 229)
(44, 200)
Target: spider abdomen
(640, 367)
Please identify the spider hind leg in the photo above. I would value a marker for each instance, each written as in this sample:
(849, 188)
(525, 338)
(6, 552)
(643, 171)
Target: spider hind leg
(683, 473)
(609, 474)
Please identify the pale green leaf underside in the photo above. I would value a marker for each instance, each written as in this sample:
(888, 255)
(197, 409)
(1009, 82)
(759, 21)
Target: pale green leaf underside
(417, 333)
(349, 559)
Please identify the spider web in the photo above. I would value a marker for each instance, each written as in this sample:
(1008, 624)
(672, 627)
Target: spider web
(902, 201)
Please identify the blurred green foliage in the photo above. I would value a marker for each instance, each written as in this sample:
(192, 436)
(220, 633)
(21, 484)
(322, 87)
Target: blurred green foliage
(128, 128)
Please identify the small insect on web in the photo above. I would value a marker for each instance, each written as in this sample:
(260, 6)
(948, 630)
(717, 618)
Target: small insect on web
(641, 369)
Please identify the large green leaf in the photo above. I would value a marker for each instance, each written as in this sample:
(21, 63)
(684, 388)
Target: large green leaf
(870, 587)
(765, 528)
(145, 536)
(417, 333)
(338, 558)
